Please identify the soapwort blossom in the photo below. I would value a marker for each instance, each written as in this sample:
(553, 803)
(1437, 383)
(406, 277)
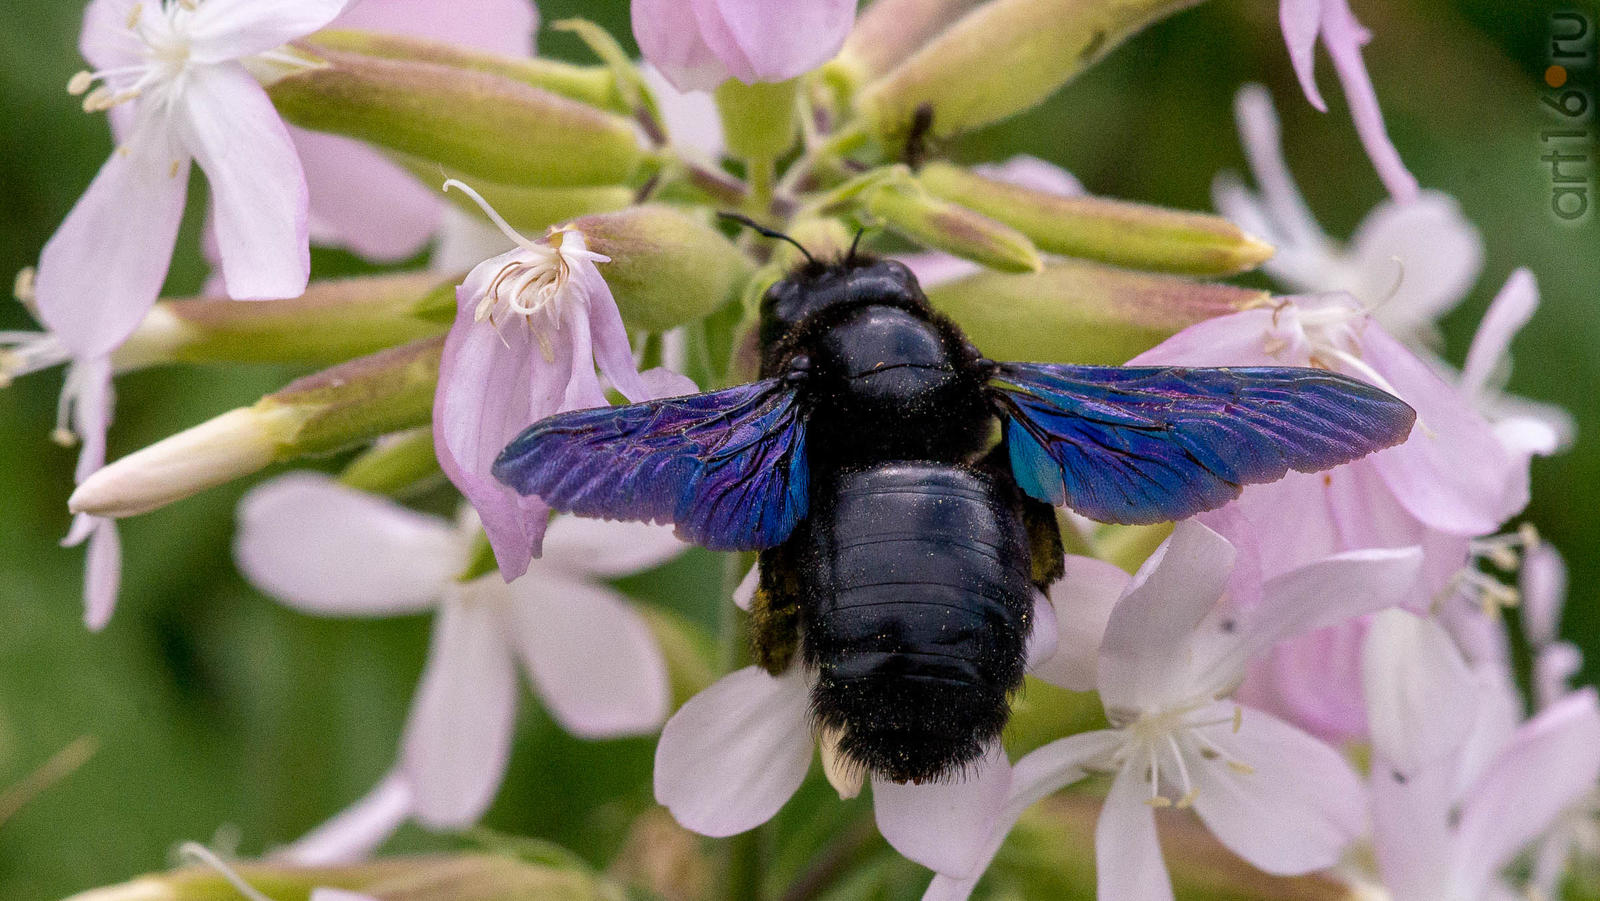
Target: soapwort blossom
(173, 77)
(532, 323)
(330, 550)
(698, 44)
(1175, 645)
(1458, 786)
(1304, 22)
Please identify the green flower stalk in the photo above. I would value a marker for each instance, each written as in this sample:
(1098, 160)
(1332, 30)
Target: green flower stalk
(483, 124)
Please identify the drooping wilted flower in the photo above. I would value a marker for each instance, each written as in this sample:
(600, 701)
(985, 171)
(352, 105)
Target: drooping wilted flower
(334, 551)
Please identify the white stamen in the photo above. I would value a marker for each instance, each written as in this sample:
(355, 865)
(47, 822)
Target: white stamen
(198, 852)
(23, 288)
(493, 214)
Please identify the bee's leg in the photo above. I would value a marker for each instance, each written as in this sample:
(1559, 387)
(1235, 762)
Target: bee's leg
(1046, 555)
(775, 611)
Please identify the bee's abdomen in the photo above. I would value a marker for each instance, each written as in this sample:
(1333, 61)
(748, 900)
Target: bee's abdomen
(918, 606)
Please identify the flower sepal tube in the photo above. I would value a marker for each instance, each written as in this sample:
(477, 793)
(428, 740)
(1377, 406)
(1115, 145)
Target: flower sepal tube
(355, 402)
(482, 124)
(1096, 228)
(955, 78)
(894, 197)
(1077, 312)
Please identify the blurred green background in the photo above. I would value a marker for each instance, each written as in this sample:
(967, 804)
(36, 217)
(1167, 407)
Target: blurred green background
(222, 716)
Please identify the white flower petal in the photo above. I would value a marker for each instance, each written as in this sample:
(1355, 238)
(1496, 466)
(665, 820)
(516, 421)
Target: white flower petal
(1491, 346)
(592, 657)
(362, 200)
(1147, 637)
(458, 736)
(1296, 807)
(1127, 856)
(607, 549)
(330, 550)
(1552, 763)
(1031, 172)
(1082, 601)
(222, 30)
(355, 832)
(101, 271)
(1415, 261)
(736, 752)
(102, 572)
(1420, 694)
(258, 187)
(1044, 633)
(339, 894)
(105, 41)
(745, 594)
(1412, 836)
(944, 825)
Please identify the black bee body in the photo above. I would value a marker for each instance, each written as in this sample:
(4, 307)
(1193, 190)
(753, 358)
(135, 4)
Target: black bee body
(909, 581)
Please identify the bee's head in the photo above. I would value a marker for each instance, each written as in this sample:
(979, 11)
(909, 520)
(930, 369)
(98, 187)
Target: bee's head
(816, 286)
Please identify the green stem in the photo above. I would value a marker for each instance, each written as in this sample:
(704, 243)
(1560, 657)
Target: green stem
(762, 177)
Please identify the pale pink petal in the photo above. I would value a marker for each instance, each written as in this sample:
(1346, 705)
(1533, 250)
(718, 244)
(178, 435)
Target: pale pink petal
(669, 37)
(259, 190)
(339, 894)
(592, 658)
(1127, 857)
(736, 752)
(1313, 682)
(944, 825)
(764, 40)
(498, 26)
(1554, 668)
(1031, 172)
(1416, 261)
(1082, 601)
(690, 117)
(102, 572)
(361, 200)
(106, 42)
(1296, 807)
(1453, 473)
(103, 268)
(1293, 227)
(1301, 20)
(1039, 774)
(458, 736)
(330, 550)
(611, 350)
(583, 389)
(1544, 592)
(663, 382)
(355, 832)
(745, 594)
(1491, 346)
(1344, 37)
(1498, 712)
(1551, 764)
(1421, 698)
(1045, 632)
(1411, 826)
(1303, 600)
(1237, 339)
(221, 30)
(606, 549)
(1144, 654)
(485, 398)
(934, 269)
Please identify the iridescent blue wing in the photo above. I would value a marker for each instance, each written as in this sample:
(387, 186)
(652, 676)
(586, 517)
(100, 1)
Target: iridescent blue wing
(727, 467)
(1142, 445)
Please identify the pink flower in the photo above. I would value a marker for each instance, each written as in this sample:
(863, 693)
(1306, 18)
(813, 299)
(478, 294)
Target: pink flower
(359, 198)
(698, 44)
(329, 550)
(531, 326)
(174, 78)
(1174, 647)
(1458, 787)
(1304, 21)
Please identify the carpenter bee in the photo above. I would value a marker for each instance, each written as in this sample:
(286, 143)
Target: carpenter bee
(903, 545)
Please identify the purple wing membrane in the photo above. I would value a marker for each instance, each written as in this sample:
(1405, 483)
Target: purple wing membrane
(1141, 445)
(728, 467)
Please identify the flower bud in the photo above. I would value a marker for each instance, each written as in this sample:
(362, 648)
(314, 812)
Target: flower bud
(942, 225)
(759, 121)
(1074, 312)
(890, 30)
(593, 85)
(666, 268)
(349, 404)
(485, 125)
(394, 464)
(1112, 231)
(467, 877)
(333, 321)
(1001, 59)
(531, 209)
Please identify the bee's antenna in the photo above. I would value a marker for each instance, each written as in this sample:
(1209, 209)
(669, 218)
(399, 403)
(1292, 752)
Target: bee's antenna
(765, 232)
(854, 243)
